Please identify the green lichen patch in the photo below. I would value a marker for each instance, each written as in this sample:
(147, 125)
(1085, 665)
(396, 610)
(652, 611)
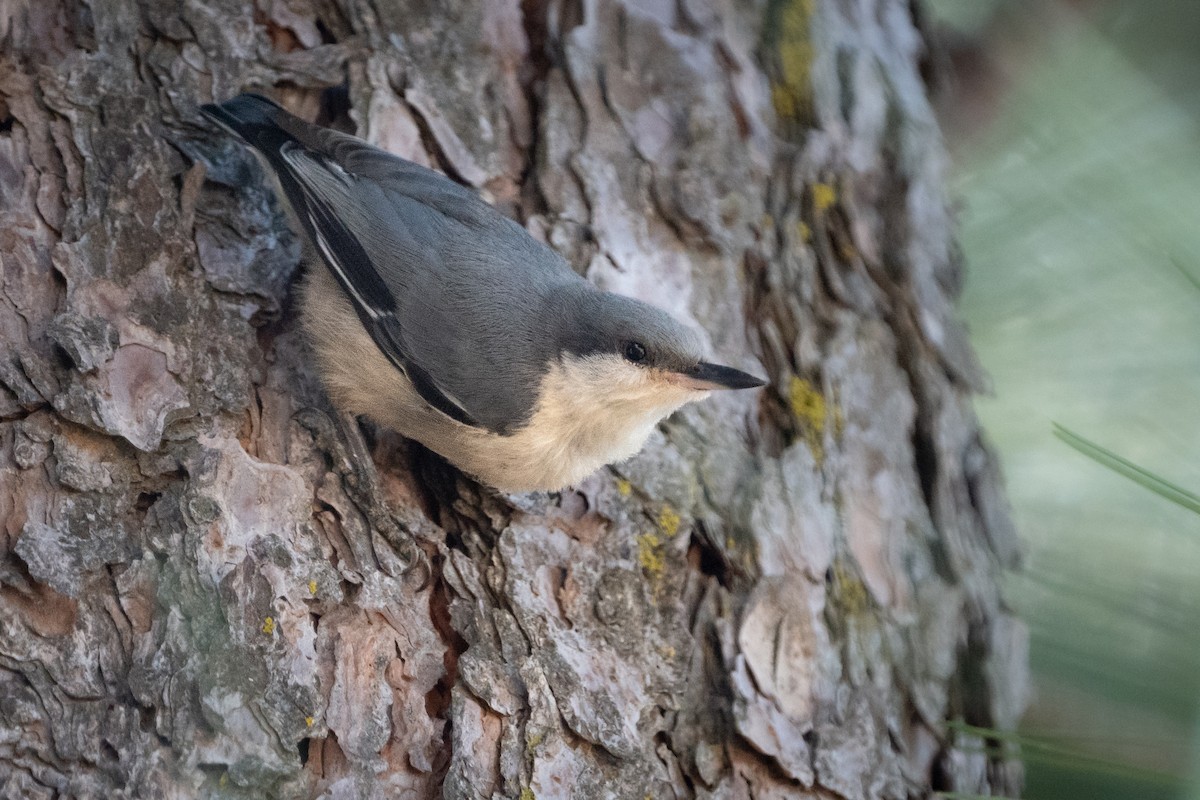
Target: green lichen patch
(814, 414)
(788, 54)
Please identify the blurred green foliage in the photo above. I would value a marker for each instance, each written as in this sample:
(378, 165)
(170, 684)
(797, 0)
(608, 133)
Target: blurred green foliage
(1080, 179)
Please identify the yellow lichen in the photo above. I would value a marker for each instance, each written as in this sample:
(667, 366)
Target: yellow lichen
(527, 793)
(823, 196)
(803, 231)
(813, 414)
(848, 590)
(268, 626)
(312, 587)
(624, 487)
(532, 742)
(795, 55)
(790, 43)
(651, 555)
(669, 520)
(308, 721)
(784, 101)
(807, 403)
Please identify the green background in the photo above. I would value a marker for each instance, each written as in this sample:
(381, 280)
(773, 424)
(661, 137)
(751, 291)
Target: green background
(1075, 128)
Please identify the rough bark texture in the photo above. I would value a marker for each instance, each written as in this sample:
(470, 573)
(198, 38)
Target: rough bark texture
(213, 585)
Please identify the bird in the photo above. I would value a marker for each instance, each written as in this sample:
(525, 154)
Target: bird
(442, 319)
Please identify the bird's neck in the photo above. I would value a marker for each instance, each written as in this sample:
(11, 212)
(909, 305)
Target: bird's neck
(598, 410)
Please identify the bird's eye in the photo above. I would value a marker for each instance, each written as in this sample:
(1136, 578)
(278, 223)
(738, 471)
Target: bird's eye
(635, 352)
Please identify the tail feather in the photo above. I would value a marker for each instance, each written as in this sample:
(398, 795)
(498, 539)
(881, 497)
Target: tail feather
(253, 118)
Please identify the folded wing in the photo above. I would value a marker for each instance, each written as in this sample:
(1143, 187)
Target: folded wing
(321, 193)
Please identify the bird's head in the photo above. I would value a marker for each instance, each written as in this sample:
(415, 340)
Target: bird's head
(636, 356)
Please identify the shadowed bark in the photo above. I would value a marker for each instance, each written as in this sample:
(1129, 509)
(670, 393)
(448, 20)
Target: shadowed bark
(213, 585)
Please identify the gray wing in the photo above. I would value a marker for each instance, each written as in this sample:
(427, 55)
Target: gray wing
(449, 289)
(345, 256)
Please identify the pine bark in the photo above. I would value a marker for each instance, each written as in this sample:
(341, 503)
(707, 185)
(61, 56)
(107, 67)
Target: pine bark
(214, 585)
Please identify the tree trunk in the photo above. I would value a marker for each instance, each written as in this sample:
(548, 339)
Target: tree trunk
(213, 585)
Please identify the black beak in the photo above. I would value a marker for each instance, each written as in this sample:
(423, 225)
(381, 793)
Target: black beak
(714, 376)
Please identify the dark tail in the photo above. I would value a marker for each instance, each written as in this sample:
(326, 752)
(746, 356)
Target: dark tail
(253, 118)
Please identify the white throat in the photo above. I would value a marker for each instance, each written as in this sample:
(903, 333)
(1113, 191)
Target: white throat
(591, 411)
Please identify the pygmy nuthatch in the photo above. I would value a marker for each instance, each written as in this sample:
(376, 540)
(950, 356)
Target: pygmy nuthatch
(443, 319)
